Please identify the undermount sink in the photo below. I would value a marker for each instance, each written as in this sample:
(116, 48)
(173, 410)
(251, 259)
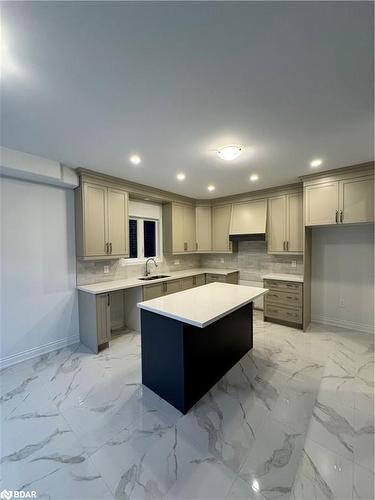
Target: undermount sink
(154, 277)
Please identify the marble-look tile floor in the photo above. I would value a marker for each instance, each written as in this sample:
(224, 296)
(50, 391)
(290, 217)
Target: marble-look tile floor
(293, 419)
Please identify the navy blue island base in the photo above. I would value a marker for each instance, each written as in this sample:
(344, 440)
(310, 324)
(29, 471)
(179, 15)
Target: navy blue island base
(181, 362)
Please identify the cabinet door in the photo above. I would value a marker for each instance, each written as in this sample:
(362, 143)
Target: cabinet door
(187, 282)
(103, 318)
(357, 200)
(220, 228)
(203, 228)
(190, 244)
(172, 286)
(152, 291)
(294, 223)
(178, 227)
(94, 219)
(277, 224)
(200, 280)
(118, 222)
(321, 203)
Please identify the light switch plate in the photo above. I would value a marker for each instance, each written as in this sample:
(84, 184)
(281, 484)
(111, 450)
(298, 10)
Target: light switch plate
(106, 269)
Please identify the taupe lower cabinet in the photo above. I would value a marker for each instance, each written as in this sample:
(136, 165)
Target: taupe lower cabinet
(101, 222)
(179, 228)
(221, 215)
(285, 224)
(94, 319)
(167, 287)
(284, 302)
(339, 201)
(203, 228)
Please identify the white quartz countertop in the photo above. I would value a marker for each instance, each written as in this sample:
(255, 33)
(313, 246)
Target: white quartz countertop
(112, 286)
(284, 277)
(203, 305)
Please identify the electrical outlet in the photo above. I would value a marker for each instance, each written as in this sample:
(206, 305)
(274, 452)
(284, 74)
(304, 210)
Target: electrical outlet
(176, 262)
(106, 269)
(342, 302)
(294, 263)
(222, 260)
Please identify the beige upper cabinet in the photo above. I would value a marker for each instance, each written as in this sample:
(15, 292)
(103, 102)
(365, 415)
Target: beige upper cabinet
(118, 224)
(357, 200)
(179, 228)
(101, 221)
(276, 224)
(203, 228)
(285, 227)
(294, 210)
(221, 216)
(321, 203)
(345, 200)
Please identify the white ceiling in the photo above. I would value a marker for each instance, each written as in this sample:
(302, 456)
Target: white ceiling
(93, 83)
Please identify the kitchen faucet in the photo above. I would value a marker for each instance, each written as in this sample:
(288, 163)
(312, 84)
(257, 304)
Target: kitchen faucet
(147, 272)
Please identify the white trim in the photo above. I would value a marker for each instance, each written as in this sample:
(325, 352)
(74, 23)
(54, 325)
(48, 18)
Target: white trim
(38, 351)
(350, 325)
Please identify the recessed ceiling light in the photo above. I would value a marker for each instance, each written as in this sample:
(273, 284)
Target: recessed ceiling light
(211, 187)
(229, 153)
(135, 159)
(181, 176)
(316, 163)
(254, 177)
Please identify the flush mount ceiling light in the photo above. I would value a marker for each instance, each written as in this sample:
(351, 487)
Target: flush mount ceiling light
(229, 153)
(181, 176)
(211, 187)
(254, 177)
(135, 159)
(316, 163)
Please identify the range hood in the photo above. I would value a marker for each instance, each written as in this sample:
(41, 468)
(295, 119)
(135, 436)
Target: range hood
(248, 221)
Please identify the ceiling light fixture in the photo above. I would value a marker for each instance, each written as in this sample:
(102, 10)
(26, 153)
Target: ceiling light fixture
(229, 153)
(254, 177)
(316, 163)
(211, 187)
(135, 159)
(181, 176)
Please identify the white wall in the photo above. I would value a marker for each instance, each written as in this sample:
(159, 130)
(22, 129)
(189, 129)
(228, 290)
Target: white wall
(39, 310)
(343, 268)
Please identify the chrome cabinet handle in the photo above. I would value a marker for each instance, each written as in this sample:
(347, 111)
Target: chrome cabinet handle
(287, 245)
(341, 216)
(185, 246)
(283, 245)
(337, 216)
(196, 245)
(108, 300)
(106, 248)
(110, 248)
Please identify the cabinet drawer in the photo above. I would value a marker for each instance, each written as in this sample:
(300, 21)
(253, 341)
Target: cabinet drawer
(284, 314)
(287, 286)
(187, 282)
(171, 287)
(281, 297)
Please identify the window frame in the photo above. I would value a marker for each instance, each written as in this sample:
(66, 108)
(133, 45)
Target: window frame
(145, 211)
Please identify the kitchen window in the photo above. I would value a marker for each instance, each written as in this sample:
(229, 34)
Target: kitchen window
(143, 238)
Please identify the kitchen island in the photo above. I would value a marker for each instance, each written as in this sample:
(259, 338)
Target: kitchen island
(192, 338)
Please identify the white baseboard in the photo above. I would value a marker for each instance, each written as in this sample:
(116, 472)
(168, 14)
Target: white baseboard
(342, 323)
(38, 351)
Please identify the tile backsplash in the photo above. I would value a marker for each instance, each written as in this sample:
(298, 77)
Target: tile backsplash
(252, 260)
(93, 271)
